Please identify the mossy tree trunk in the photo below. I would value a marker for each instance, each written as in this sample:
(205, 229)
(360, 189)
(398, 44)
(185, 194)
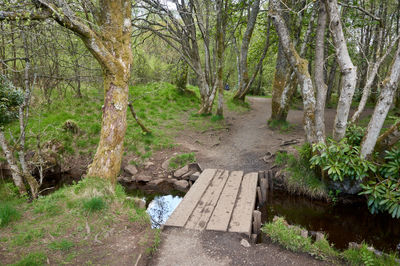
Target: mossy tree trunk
(300, 66)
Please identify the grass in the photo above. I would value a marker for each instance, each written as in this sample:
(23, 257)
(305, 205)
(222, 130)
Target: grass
(181, 160)
(283, 125)
(57, 224)
(8, 213)
(290, 238)
(160, 106)
(62, 244)
(300, 179)
(32, 259)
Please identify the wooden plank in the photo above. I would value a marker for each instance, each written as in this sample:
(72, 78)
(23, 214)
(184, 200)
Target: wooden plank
(219, 220)
(182, 213)
(256, 221)
(205, 207)
(242, 216)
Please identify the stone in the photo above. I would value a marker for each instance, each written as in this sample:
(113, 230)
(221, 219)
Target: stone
(245, 243)
(319, 236)
(165, 164)
(187, 175)
(180, 172)
(304, 233)
(131, 169)
(181, 185)
(193, 177)
(140, 203)
(195, 167)
(148, 164)
(126, 179)
(156, 182)
(143, 178)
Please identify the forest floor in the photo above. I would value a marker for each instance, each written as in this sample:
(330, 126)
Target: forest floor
(240, 145)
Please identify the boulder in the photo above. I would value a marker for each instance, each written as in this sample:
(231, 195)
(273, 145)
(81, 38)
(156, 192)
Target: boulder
(148, 164)
(193, 177)
(180, 172)
(143, 178)
(187, 175)
(181, 185)
(195, 167)
(126, 179)
(304, 233)
(131, 169)
(155, 183)
(165, 164)
(319, 236)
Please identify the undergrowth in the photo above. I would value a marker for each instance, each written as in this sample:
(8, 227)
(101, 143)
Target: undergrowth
(290, 238)
(181, 160)
(299, 178)
(63, 224)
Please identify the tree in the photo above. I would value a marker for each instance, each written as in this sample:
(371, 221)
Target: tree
(105, 29)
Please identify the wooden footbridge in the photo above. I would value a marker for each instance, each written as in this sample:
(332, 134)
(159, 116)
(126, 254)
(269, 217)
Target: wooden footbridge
(220, 200)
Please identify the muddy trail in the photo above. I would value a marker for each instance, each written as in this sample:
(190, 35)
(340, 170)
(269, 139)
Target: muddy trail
(247, 138)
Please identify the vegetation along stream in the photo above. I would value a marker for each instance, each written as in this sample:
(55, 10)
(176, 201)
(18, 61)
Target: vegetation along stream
(342, 223)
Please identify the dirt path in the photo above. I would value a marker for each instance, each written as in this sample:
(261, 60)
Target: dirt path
(239, 147)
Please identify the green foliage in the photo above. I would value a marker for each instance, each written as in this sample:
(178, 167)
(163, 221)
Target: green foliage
(10, 99)
(290, 238)
(94, 204)
(32, 259)
(235, 105)
(354, 134)
(181, 160)
(63, 245)
(384, 191)
(282, 125)
(341, 160)
(299, 178)
(8, 214)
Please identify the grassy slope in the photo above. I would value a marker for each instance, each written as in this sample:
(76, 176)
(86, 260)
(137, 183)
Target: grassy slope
(159, 105)
(70, 225)
(290, 238)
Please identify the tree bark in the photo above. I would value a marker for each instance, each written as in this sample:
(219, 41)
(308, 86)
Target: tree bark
(349, 71)
(388, 139)
(15, 172)
(300, 66)
(320, 85)
(251, 22)
(389, 87)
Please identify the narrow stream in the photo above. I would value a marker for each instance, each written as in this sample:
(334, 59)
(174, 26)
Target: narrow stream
(342, 223)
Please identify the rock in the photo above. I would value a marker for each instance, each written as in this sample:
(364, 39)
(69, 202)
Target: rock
(126, 179)
(181, 185)
(170, 176)
(180, 172)
(140, 203)
(131, 169)
(195, 167)
(193, 177)
(148, 164)
(304, 233)
(245, 243)
(187, 175)
(165, 164)
(155, 183)
(319, 236)
(143, 178)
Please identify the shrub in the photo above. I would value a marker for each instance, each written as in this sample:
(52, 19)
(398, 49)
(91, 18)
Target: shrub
(10, 99)
(354, 134)
(384, 191)
(341, 160)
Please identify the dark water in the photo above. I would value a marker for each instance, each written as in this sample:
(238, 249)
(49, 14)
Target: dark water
(342, 223)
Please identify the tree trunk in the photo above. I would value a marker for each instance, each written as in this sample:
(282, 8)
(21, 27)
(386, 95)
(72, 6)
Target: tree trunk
(300, 65)
(349, 71)
(15, 171)
(108, 157)
(280, 96)
(320, 85)
(388, 139)
(389, 87)
(220, 29)
(251, 22)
